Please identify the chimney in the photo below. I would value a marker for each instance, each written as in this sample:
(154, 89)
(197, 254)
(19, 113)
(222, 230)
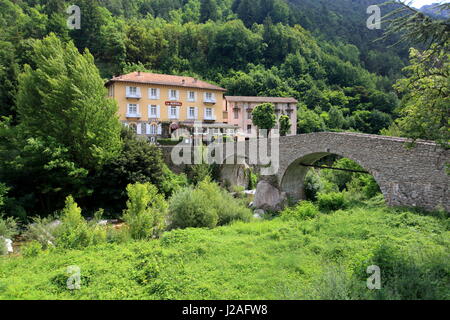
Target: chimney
(139, 73)
(183, 81)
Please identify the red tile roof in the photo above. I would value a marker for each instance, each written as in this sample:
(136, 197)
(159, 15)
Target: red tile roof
(165, 79)
(260, 99)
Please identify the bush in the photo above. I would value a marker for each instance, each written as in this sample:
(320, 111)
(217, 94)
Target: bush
(146, 211)
(189, 208)
(8, 227)
(74, 232)
(198, 172)
(332, 201)
(31, 249)
(42, 230)
(304, 210)
(206, 206)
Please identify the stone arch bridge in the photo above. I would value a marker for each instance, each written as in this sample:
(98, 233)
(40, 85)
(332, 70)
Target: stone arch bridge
(408, 176)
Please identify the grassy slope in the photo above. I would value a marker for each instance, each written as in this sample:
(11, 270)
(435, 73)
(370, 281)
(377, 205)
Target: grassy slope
(260, 260)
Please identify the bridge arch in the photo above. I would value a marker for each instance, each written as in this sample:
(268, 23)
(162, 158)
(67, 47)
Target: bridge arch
(293, 179)
(407, 175)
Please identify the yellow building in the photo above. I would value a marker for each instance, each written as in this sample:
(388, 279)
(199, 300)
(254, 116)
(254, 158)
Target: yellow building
(158, 104)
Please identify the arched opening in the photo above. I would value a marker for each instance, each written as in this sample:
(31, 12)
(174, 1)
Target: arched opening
(331, 172)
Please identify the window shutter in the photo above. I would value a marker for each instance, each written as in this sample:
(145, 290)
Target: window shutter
(178, 94)
(128, 91)
(178, 112)
(204, 96)
(158, 93)
(213, 113)
(137, 109)
(138, 91)
(139, 128)
(159, 129)
(196, 113)
(214, 97)
(188, 114)
(158, 111)
(168, 112)
(147, 128)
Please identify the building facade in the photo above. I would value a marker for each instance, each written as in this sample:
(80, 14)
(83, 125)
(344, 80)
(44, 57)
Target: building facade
(157, 105)
(238, 112)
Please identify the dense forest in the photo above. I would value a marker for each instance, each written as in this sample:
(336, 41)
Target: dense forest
(320, 52)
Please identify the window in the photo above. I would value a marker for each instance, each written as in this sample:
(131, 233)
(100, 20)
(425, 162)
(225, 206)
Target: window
(173, 112)
(191, 113)
(133, 91)
(208, 113)
(249, 115)
(191, 96)
(209, 96)
(132, 109)
(153, 93)
(153, 111)
(249, 128)
(236, 114)
(173, 94)
(111, 91)
(153, 129)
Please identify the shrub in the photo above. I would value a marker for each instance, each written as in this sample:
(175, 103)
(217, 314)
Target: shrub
(188, 208)
(207, 205)
(31, 249)
(304, 210)
(42, 230)
(146, 211)
(8, 227)
(332, 201)
(74, 232)
(198, 172)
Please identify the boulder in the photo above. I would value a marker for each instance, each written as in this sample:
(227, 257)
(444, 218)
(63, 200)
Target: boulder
(269, 198)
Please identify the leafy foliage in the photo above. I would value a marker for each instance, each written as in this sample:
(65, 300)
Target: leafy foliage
(263, 116)
(146, 211)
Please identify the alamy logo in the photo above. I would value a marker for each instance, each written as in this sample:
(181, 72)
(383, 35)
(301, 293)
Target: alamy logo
(262, 151)
(74, 20)
(74, 280)
(374, 21)
(374, 281)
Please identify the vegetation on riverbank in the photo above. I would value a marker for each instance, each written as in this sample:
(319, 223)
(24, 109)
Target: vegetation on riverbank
(320, 257)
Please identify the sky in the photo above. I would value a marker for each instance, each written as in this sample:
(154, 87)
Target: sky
(420, 3)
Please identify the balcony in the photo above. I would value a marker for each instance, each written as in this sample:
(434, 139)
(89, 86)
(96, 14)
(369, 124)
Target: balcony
(130, 95)
(210, 118)
(133, 115)
(209, 101)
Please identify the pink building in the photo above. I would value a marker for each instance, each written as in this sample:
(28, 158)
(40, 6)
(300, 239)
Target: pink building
(238, 112)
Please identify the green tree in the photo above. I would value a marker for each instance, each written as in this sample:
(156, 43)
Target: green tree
(285, 125)
(308, 121)
(208, 10)
(264, 117)
(425, 111)
(64, 98)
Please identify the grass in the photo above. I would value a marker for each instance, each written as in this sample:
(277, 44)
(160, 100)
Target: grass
(320, 258)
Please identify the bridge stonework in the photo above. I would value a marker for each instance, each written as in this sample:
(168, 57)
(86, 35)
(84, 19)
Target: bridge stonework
(408, 176)
(413, 176)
